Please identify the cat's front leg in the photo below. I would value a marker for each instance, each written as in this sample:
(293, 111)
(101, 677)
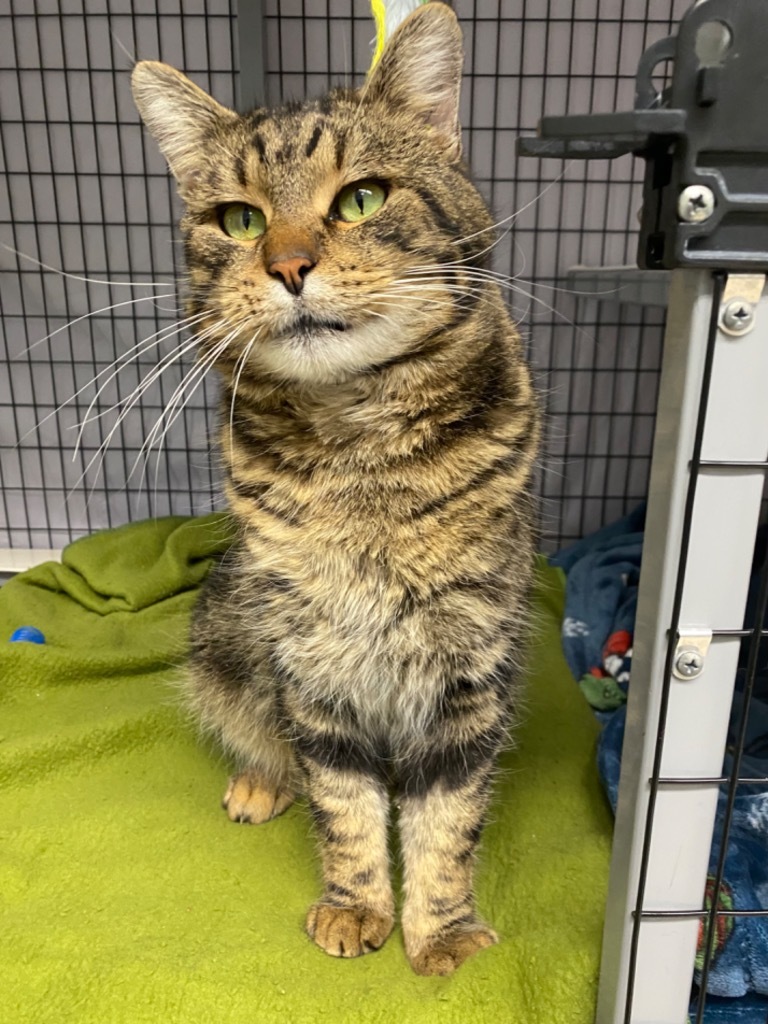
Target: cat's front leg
(351, 809)
(440, 825)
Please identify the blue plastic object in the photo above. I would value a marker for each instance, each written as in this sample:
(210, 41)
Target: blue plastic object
(30, 634)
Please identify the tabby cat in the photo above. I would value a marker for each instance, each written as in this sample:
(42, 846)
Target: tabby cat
(362, 641)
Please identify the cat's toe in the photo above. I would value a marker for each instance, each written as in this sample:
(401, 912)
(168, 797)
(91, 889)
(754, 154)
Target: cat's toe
(251, 800)
(447, 952)
(347, 931)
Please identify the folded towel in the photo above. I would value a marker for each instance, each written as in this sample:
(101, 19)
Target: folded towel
(129, 898)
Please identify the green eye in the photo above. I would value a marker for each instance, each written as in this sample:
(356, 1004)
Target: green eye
(243, 222)
(359, 200)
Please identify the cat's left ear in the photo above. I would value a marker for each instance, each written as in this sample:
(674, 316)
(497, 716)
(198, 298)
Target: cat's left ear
(420, 69)
(182, 118)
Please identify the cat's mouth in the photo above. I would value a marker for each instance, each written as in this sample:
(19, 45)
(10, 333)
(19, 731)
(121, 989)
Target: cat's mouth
(306, 326)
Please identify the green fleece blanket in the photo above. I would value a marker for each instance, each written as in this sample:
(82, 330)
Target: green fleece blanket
(127, 895)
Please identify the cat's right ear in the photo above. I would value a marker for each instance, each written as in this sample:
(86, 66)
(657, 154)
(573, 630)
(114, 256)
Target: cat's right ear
(182, 118)
(420, 69)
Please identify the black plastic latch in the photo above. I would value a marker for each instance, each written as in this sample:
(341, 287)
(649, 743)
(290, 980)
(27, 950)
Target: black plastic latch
(704, 140)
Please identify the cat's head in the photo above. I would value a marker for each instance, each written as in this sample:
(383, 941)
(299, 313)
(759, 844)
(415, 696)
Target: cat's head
(320, 235)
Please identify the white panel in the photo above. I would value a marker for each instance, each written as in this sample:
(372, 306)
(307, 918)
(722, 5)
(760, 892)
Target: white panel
(722, 532)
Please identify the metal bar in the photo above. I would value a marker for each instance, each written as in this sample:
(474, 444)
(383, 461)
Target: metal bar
(738, 632)
(732, 464)
(689, 914)
(252, 91)
(712, 781)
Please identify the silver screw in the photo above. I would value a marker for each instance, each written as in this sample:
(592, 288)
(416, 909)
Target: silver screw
(695, 204)
(689, 664)
(738, 316)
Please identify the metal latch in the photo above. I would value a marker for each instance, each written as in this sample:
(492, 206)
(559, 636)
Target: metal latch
(740, 298)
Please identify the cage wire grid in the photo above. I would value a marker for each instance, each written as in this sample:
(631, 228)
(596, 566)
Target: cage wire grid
(84, 190)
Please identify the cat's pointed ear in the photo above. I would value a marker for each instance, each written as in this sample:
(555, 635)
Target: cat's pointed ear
(420, 68)
(181, 117)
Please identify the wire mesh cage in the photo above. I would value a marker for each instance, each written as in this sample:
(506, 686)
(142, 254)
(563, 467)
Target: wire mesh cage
(84, 194)
(95, 428)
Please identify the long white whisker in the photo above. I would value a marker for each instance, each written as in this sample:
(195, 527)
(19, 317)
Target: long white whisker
(426, 273)
(418, 313)
(473, 284)
(471, 273)
(415, 294)
(170, 413)
(125, 49)
(128, 356)
(513, 216)
(126, 359)
(95, 312)
(460, 292)
(88, 280)
(201, 370)
(552, 310)
(432, 282)
(502, 281)
(382, 316)
(239, 365)
(510, 220)
(436, 284)
(568, 291)
(157, 370)
(129, 403)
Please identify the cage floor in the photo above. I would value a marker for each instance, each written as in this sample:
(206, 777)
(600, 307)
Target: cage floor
(131, 898)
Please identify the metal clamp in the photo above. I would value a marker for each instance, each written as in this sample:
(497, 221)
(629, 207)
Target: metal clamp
(740, 298)
(691, 653)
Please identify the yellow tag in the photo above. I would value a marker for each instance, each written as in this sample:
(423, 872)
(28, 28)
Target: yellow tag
(380, 17)
(388, 15)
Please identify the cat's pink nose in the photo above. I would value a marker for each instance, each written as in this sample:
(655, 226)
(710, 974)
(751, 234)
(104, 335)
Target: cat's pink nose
(291, 270)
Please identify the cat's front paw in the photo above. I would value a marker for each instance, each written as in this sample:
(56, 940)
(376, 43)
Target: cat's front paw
(251, 800)
(447, 952)
(347, 931)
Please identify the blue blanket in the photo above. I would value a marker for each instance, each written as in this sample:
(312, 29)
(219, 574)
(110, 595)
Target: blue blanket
(601, 600)
(603, 573)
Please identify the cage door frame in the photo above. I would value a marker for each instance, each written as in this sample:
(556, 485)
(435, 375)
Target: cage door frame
(700, 532)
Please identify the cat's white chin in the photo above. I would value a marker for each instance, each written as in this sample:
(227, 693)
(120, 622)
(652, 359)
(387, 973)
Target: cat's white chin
(327, 355)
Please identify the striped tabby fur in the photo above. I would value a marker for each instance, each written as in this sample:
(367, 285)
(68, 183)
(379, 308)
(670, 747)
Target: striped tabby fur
(361, 642)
